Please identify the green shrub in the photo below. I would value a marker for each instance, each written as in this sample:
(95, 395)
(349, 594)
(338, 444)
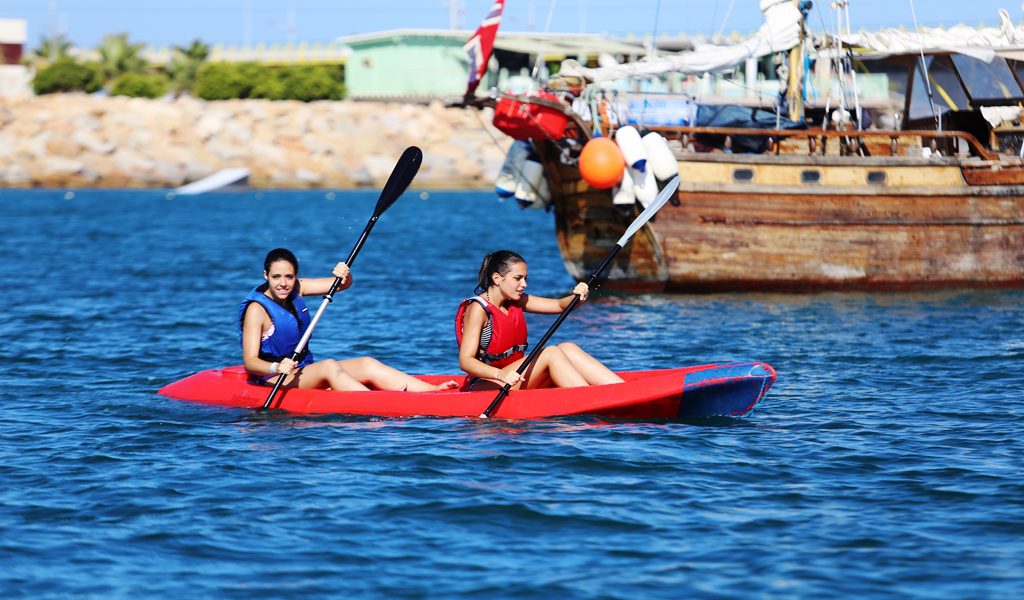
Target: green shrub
(308, 83)
(223, 81)
(252, 74)
(66, 75)
(139, 85)
(269, 88)
(220, 81)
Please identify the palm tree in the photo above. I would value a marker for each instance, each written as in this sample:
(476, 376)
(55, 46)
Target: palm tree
(185, 65)
(118, 56)
(52, 48)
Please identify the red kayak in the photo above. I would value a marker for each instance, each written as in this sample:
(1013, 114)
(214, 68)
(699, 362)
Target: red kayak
(721, 389)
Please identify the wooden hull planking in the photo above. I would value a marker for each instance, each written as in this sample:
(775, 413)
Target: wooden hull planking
(805, 223)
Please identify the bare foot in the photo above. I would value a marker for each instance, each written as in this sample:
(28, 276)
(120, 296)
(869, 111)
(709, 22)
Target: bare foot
(451, 384)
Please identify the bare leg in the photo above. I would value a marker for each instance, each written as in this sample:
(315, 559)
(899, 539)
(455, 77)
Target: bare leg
(551, 367)
(379, 376)
(324, 374)
(589, 367)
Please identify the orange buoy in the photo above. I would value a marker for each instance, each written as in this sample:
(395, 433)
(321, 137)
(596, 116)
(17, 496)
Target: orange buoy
(601, 163)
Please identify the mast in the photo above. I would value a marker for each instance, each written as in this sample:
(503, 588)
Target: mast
(795, 84)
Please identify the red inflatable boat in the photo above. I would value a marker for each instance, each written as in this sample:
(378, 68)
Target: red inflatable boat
(721, 389)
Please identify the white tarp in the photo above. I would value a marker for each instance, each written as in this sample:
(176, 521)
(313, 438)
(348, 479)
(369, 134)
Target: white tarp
(982, 43)
(780, 32)
(996, 115)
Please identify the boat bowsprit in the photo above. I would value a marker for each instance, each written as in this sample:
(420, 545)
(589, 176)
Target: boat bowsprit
(712, 390)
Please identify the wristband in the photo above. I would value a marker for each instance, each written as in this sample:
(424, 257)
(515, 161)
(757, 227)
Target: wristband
(273, 368)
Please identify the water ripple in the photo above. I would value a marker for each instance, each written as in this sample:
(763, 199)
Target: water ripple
(884, 463)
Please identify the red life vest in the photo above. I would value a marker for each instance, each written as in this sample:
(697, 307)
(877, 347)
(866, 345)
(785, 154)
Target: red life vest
(508, 333)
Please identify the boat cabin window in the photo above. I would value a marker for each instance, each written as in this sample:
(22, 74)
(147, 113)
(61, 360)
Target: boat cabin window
(987, 81)
(810, 176)
(947, 93)
(876, 177)
(743, 175)
(896, 72)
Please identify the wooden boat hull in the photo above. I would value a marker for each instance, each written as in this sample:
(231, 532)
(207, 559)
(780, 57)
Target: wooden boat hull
(804, 223)
(713, 390)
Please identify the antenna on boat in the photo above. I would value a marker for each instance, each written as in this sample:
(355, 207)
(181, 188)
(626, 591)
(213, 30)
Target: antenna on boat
(540, 53)
(652, 50)
(725, 19)
(924, 70)
(839, 62)
(853, 71)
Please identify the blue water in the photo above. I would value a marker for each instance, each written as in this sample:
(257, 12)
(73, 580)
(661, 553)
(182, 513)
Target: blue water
(886, 462)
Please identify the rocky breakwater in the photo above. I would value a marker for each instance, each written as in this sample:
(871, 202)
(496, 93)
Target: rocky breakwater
(76, 140)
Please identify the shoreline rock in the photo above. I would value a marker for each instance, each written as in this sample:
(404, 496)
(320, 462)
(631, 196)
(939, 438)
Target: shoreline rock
(84, 141)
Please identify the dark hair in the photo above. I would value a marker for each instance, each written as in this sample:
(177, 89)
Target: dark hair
(500, 262)
(280, 254)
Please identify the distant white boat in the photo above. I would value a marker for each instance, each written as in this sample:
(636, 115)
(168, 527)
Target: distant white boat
(238, 176)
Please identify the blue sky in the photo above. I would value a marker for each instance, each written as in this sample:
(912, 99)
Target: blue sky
(178, 22)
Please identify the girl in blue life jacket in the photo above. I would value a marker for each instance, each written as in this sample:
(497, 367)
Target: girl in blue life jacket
(272, 319)
(491, 331)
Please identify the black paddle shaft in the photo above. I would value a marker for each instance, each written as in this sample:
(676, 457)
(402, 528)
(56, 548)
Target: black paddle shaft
(402, 175)
(551, 331)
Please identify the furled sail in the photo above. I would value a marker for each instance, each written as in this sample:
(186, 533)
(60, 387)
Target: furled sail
(779, 32)
(982, 43)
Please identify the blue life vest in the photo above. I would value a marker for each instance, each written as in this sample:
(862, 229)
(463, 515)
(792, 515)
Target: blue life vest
(288, 328)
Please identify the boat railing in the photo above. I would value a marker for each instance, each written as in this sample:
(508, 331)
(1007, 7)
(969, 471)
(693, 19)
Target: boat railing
(852, 142)
(818, 139)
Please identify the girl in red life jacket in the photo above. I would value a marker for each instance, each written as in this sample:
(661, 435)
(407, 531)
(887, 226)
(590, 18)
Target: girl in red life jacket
(273, 318)
(492, 333)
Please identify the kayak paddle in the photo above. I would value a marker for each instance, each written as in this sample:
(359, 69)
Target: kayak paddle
(402, 175)
(643, 218)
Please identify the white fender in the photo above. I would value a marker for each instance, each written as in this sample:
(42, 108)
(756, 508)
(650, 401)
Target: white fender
(529, 183)
(645, 187)
(543, 196)
(511, 170)
(632, 147)
(659, 157)
(624, 193)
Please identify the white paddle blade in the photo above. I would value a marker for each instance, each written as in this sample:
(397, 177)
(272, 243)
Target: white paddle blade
(663, 197)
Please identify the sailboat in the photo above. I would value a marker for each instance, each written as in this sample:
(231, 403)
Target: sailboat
(798, 198)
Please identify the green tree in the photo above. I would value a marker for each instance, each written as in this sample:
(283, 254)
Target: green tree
(66, 75)
(119, 56)
(185, 64)
(140, 85)
(52, 48)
